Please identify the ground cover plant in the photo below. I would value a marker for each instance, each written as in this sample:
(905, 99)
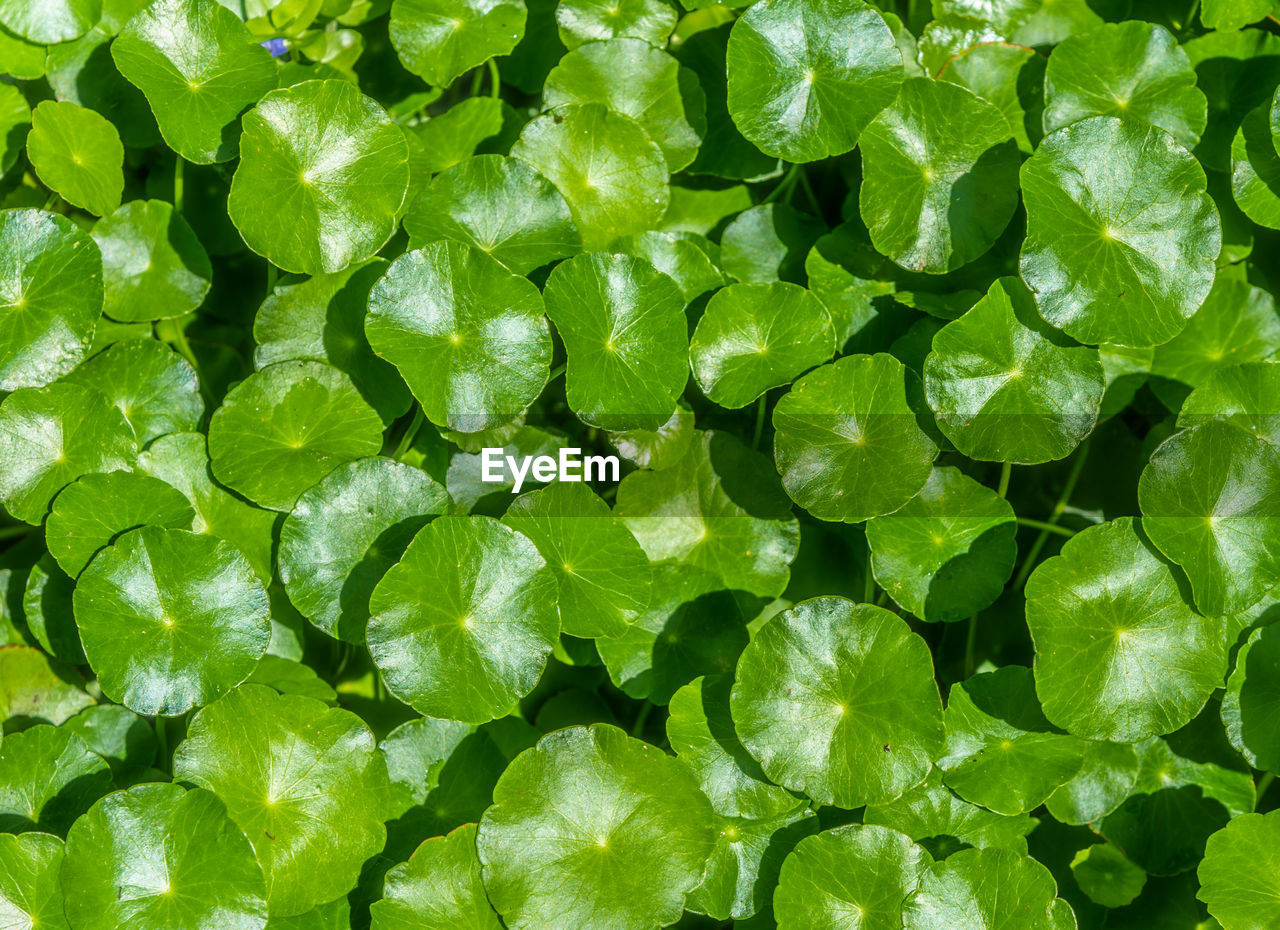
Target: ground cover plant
(935, 590)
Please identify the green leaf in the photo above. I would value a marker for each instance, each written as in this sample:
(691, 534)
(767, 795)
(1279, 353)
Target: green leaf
(1238, 877)
(51, 282)
(468, 336)
(1009, 76)
(859, 875)
(742, 870)
(89, 514)
(847, 443)
(594, 801)
(939, 176)
(1210, 498)
(199, 68)
(322, 176)
(30, 880)
(1006, 388)
(159, 856)
(611, 173)
(1237, 71)
(298, 778)
(1233, 14)
(985, 888)
(1255, 169)
(1106, 876)
(718, 504)
(78, 154)
(769, 243)
(439, 888)
(180, 461)
(476, 642)
(1121, 236)
(603, 575)
(345, 532)
(947, 553)
(125, 740)
(50, 21)
(1252, 699)
(660, 448)
(22, 59)
(632, 78)
(1135, 70)
(1246, 395)
(282, 429)
(322, 318)
(935, 817)
(804, 101)
(15, 122)
(47, 611)
(1120, 654)
(1109, 772)
(452, 137)
(1237, 323)
(35, 688)
(626, 337)
(440, 39)
(1001, 752)
(821, 692)
(153, 265)
(155, 388)
(171, 620)
(753, 337)
(499, 205)
(689, 259)
(48, 778)
(51, 436)
(581, 22)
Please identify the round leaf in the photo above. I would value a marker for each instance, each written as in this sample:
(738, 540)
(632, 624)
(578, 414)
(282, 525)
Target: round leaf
(1246, 395)
(158, 857)
(345, 532)
(1237, 323)
(89, 514)
(613, 176)
(626, 337)
(299, 778)
(1006, 388)
(51, 436)
(584, 21)
(852, 873)
(30, 880)
(474, 641)
(47, 611)
(688, 258)
(1255, 169)
(439, 888)
(947, 553)
(15, 121)
(1252, 699)
(806, 100)
(837, 700)
(50, 21)
(847, 444)
(1108, 775)
(603, 575)
(125, 740)
(155, 388)
(1238, 875)
(78, 154)
(633, 78)
(35, 688)
(153, 265)
(985, 888)
(753, 337)
(769, 242)
(499, 205)
(1121, 236)
(742, 870)
(1210, 499)
(198, 67)
(171, 620)
(594, 801)
(440, 39)
(939, 181)
(1132, 69)
(282, 429)
(1120, 654)
(1106, 876)
(51, 282)
(468, 336)
(48, 778)
(323, 173)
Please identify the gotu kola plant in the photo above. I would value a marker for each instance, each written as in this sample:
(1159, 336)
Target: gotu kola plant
(618, 464)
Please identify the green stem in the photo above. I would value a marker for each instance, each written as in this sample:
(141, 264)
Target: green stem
(1068, 488)
(379, 689)
(641, 719)
(784, 186)
(1006, 471)
(970, 644)
(15, 532)
(178, 172)
(759, 430)
(162, 744)
(272, 276)
(1263, 784)
(813, 198)
(51, 201)
(555, 373)
(410, 433)
(1046, 527)
(868, 580)
(495, 80)
(477, 81)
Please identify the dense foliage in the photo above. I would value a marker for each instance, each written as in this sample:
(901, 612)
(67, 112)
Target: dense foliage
(937, 590)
